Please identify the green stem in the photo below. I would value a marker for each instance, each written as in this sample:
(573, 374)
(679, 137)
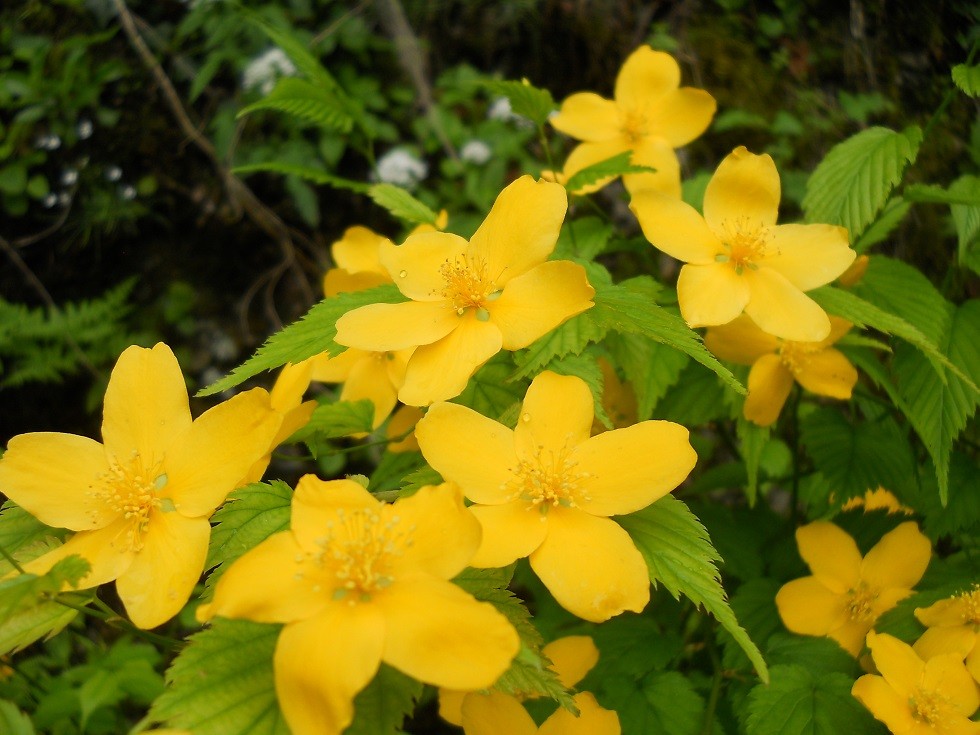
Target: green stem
(795, 448)
(9, 557)
(715, 694)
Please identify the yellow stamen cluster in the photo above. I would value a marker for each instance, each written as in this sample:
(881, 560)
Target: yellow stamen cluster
(129, 490)
(548, 480)
(468, 285)
(745, 243)
(860, 602)
(927, 706)
(796, 355)
(634, 126)
(971, 606)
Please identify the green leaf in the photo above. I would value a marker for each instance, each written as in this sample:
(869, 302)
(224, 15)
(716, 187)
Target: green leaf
(752, 440)
(221, 683)
(606, 170)
(939, 410)
(251, 515)
(13, 721)
(800, 702)
(967, 78)
(392, 468)
(887, 220)
(755, 605)
(651, 368)
(24, 537)
(295, 49)
(680, 556)
(933, 194)
(312, 334)
(401, 204)
(697, 398)
(663, 702)
(489, 391)
(818, 654)
(421, 477)
(306, 101)
(525, 99)
(634, 645)
(620, 309)
(587, 369)
(852, 183)
(961, 514)
(582, 238)
(304, 172)
(571, 338)
(381, 707)
(900, 289)
(966, 219)
(340, 418)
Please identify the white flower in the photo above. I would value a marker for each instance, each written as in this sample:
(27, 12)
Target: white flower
(127, 192)
(84, 129)
(401, 168)
(69, 177)
(113, 173)
(475, 151)
(263, 71)
(500, 109)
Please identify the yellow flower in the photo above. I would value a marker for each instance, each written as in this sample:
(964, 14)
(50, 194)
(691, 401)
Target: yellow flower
(846, 594)
(140, 502)
(375, 376)
(877, 499)
(916, 697)
(572, 657)
(776, 363)
(470, 299)
(650, 115)
(358, 582)
(496, 714)
(402, 425)
(738, 259)
(954, 625)
(546, 490)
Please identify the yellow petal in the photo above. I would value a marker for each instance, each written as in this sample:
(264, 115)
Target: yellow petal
(511, 531)
(587, 116)
(587, 154)
(495, 714)
(740, 341)
(592, 719)
(357, 251)
(613, 481)
(441, 370)
(769, 385)
(146, 406)
(946, 675)
(402, 423)
(807, 607)
(451, 705)
(445, 533)
(396, 364)
(591, 566)
(106, 549)
(828, 373)
(682, 115)
(322, 663)
(536, 302)
(959, 639)
(451, 436)
(645, 78)
(290, 385)
(899, 559)
(838, 328)
(556, 415)
(781, 309)
(162, 576)
(316, 503)
(745, 189)
(369, 380)
(831, 554)
(338, 281)
(711, 294)
(675, 227)
(50, 475)
(655, 152)
(951, 611)
(851, 635)
(521, 229)
(809, 256)
(417, 265)
(572, 657)
(270, 583)
(884, 703)
(207, 461)
(385, 327)
(326, 369)
(897, 662)
(441, 635)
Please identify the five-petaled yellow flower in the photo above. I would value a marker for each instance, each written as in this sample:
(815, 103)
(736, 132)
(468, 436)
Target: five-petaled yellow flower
(846, 594)
(546, 489)
(358, 582)
(777, 363)
(650, 115)
(918, 697)
(738, 259)
(140, 502)
(954, 625)
(470, 299)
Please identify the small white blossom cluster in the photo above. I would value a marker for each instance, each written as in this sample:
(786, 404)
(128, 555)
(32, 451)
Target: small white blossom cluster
(400, 167)
(476, 152)
(500, 109)
(263, 71)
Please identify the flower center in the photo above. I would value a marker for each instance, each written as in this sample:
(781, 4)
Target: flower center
(796, 355)
(971, 606)
(130, 489)
(358, 553)
(468, 285)
(548, 480)
(745, 243)
(860, 603)
(927, 706)
(634, 126)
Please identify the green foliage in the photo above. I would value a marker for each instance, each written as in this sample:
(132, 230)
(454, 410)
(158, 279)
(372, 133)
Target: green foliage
(525, 99)
(401, 204)
(306, 173)
(652, 368)
(332, 420)
(661, 702)
(491, 391)
(381, 707)
(967, 78)
(23, 537)
(306, 101)
(604, 170)
(571, 338)
(587, 369)
(13, 721)
(966, 219)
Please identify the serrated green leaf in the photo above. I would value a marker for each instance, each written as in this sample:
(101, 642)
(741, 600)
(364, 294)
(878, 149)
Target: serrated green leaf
(587, 369)
(697, 398)
(752, 439)
(312, 334)
(818, 654)
(605, 171)
(900, 289)
(571, 338)
(304, 172)
(306, 101)
(663, 702)
(381, 707)
(490, 391)
(393, 468)
(934, 194)
(651, 368)
(634, 645)
(620, 309)
(24, 537)
(800, 702)
(13, 721)
(421, 477)
(852, 183)
(221, 683)
(582, 238)
(887, 220)
(401, 204)
(337, 419)
(961, 514)
(251, 515)
(966, 219)
(525, 99)
(967, 78)
(680, 556)
(295, 49)
(754, 603)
